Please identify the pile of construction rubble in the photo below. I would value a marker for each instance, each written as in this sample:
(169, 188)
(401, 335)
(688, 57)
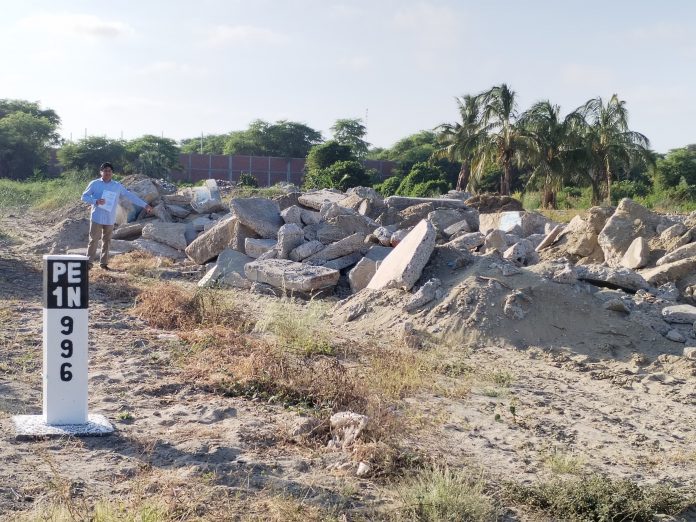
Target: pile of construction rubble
(327, 241)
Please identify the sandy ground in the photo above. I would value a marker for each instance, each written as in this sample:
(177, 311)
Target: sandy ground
(537, 405)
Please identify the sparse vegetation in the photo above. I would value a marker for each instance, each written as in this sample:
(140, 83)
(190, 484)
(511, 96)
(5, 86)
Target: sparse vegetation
(443, 494)
(598, 497)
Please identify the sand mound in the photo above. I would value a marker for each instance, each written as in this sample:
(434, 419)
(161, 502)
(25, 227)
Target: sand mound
(69, 233)
(477, 303)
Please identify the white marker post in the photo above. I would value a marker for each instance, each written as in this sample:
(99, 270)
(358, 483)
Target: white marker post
(65, 354)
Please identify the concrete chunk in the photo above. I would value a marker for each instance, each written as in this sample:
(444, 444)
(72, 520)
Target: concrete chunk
(680, 253)
(259, 214)
(637, 254)
(404, 265)
(256, 247)
(228, 271)
(684, 313)
(171, 234)
(670, 271)
(401, 202)
(290, 236)
(348, 245)
(213, 241)
(289, 275)
(305, 250)
(317, 198)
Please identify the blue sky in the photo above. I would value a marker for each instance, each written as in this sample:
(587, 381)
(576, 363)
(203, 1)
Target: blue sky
(182, 68)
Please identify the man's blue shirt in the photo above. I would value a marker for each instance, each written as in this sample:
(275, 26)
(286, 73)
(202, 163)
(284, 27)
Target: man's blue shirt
(94, 192)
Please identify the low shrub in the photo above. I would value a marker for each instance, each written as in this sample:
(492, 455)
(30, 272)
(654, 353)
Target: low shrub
(597, 497)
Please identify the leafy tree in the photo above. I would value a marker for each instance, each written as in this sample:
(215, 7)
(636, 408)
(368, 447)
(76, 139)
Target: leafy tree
(212, 144)
(320, 158)
(26, 132)
(609, 144)
(552, 148)
(346, 174)
(461, 141)
(504, 139)
(152, 155)
(677, 165)
(351, 132)
(89, 153)
(389, 186)
(424, 179)
(285, 139)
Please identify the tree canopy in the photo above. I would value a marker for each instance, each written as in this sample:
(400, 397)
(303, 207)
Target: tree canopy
(26, 133)
(351, 132)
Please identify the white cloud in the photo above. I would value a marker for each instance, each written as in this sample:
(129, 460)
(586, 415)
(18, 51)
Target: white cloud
(356, 63)
(244, 34)
(579, 75)
(435, 26)
(75, 24)
(162, 68)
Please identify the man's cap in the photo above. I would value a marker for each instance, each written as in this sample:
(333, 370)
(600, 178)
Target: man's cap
(105, 165)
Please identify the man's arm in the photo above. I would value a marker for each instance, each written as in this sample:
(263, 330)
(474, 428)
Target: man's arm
(88, 195)
(134, 199)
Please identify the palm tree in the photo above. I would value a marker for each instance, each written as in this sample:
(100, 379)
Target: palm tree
(461, 141)
(504, 139)
(551, 147)
(609, 143)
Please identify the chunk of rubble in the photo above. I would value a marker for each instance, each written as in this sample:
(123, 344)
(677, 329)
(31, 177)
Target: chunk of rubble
(228, 271)
(637, 254)
(346, 427)
(521, 253)
(682, 313)
(522, 223)
(403, 266)
(129, 231)
(306, 250)
(402, 202)
(675, 336)
(669, 271)
(211, 242)
(259, 214)
(290, 236)
(629, 221)
(292, 215)
(467, 242)
(255, 247)
(365, 269)
(290, 275)
(550, 238)
(425, 294)
(206, 198)
(171, 234)
(348, 245)
(683, 252)
(158, 249)
(344, 262)
(316, 199)
(623, 278)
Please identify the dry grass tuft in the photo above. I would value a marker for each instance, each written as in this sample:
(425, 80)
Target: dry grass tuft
(139, 263)
(172, 307)
(116, 287)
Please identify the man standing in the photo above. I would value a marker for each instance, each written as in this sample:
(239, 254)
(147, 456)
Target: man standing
(103, 195)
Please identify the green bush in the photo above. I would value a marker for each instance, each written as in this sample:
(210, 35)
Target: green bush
(389, 186)
(628, 189)
(346, 174)
(600, 498)
(248, 180)
(424, 179)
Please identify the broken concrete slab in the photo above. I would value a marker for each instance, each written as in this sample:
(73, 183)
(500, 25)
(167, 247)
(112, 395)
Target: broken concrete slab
(338, 227)
(629, 221)
(404, 265)
(292, 215)
(348, 245)
(228, 271)
(623, 278)
(637, 255)
(550, 238)
(402, 202)
(213, 241)
(517, 222)
(171, 234)
(290, 236)
(683, 313)
(344, 262)
(290, 275)
(259, 214)
(467, 242)
(206, 199)
(667, 272)
(129, 231)
(365, 269)
(682, 252)
(316, 199)
(158, 249)
(306, 250)
(255, 247)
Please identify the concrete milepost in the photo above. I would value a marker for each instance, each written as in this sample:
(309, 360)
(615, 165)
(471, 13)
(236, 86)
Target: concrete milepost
(65, 354)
